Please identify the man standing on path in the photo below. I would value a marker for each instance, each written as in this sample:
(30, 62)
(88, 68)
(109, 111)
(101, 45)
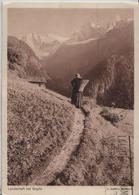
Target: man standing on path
(76, 97)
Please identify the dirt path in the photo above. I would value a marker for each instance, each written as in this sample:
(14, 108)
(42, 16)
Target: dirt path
(60, 161)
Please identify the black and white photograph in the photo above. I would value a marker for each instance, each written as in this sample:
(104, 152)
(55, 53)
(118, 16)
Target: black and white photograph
(70, 96)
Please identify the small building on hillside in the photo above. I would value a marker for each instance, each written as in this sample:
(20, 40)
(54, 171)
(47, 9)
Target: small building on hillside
(38, 81)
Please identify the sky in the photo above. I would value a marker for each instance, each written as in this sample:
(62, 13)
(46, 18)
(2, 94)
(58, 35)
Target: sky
(63, 22)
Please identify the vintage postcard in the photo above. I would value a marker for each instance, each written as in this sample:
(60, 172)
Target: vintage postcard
(70, 107)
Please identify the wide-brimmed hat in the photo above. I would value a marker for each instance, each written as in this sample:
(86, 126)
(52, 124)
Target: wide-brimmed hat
(77, 75)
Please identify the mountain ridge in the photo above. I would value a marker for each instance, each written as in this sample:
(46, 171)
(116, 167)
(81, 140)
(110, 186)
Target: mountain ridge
(43, 45)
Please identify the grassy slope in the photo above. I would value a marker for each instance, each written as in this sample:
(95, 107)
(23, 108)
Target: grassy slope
(40, 122)
(97, 160)
(38, 126)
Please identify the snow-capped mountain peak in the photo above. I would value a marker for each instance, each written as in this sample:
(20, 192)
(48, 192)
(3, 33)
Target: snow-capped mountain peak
(110, 26)
(94, 25)
(117, 18)
(43, 45)
(53, 37)
(90, 30)
(33, 36)
(118, 23)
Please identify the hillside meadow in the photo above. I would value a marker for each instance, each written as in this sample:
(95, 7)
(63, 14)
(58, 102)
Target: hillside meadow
(40, 123)
(103, 155)
(38, 126)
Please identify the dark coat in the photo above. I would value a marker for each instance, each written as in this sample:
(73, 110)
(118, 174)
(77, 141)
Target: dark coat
(76, 97)
(76, 84)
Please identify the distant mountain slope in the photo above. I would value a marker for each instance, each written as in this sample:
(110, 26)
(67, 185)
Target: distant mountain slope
(86, 57)
(71, 58)
(95, 30)
(22, 61)
(112, 81)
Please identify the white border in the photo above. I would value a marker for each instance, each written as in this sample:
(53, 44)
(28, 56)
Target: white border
(62, 190)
